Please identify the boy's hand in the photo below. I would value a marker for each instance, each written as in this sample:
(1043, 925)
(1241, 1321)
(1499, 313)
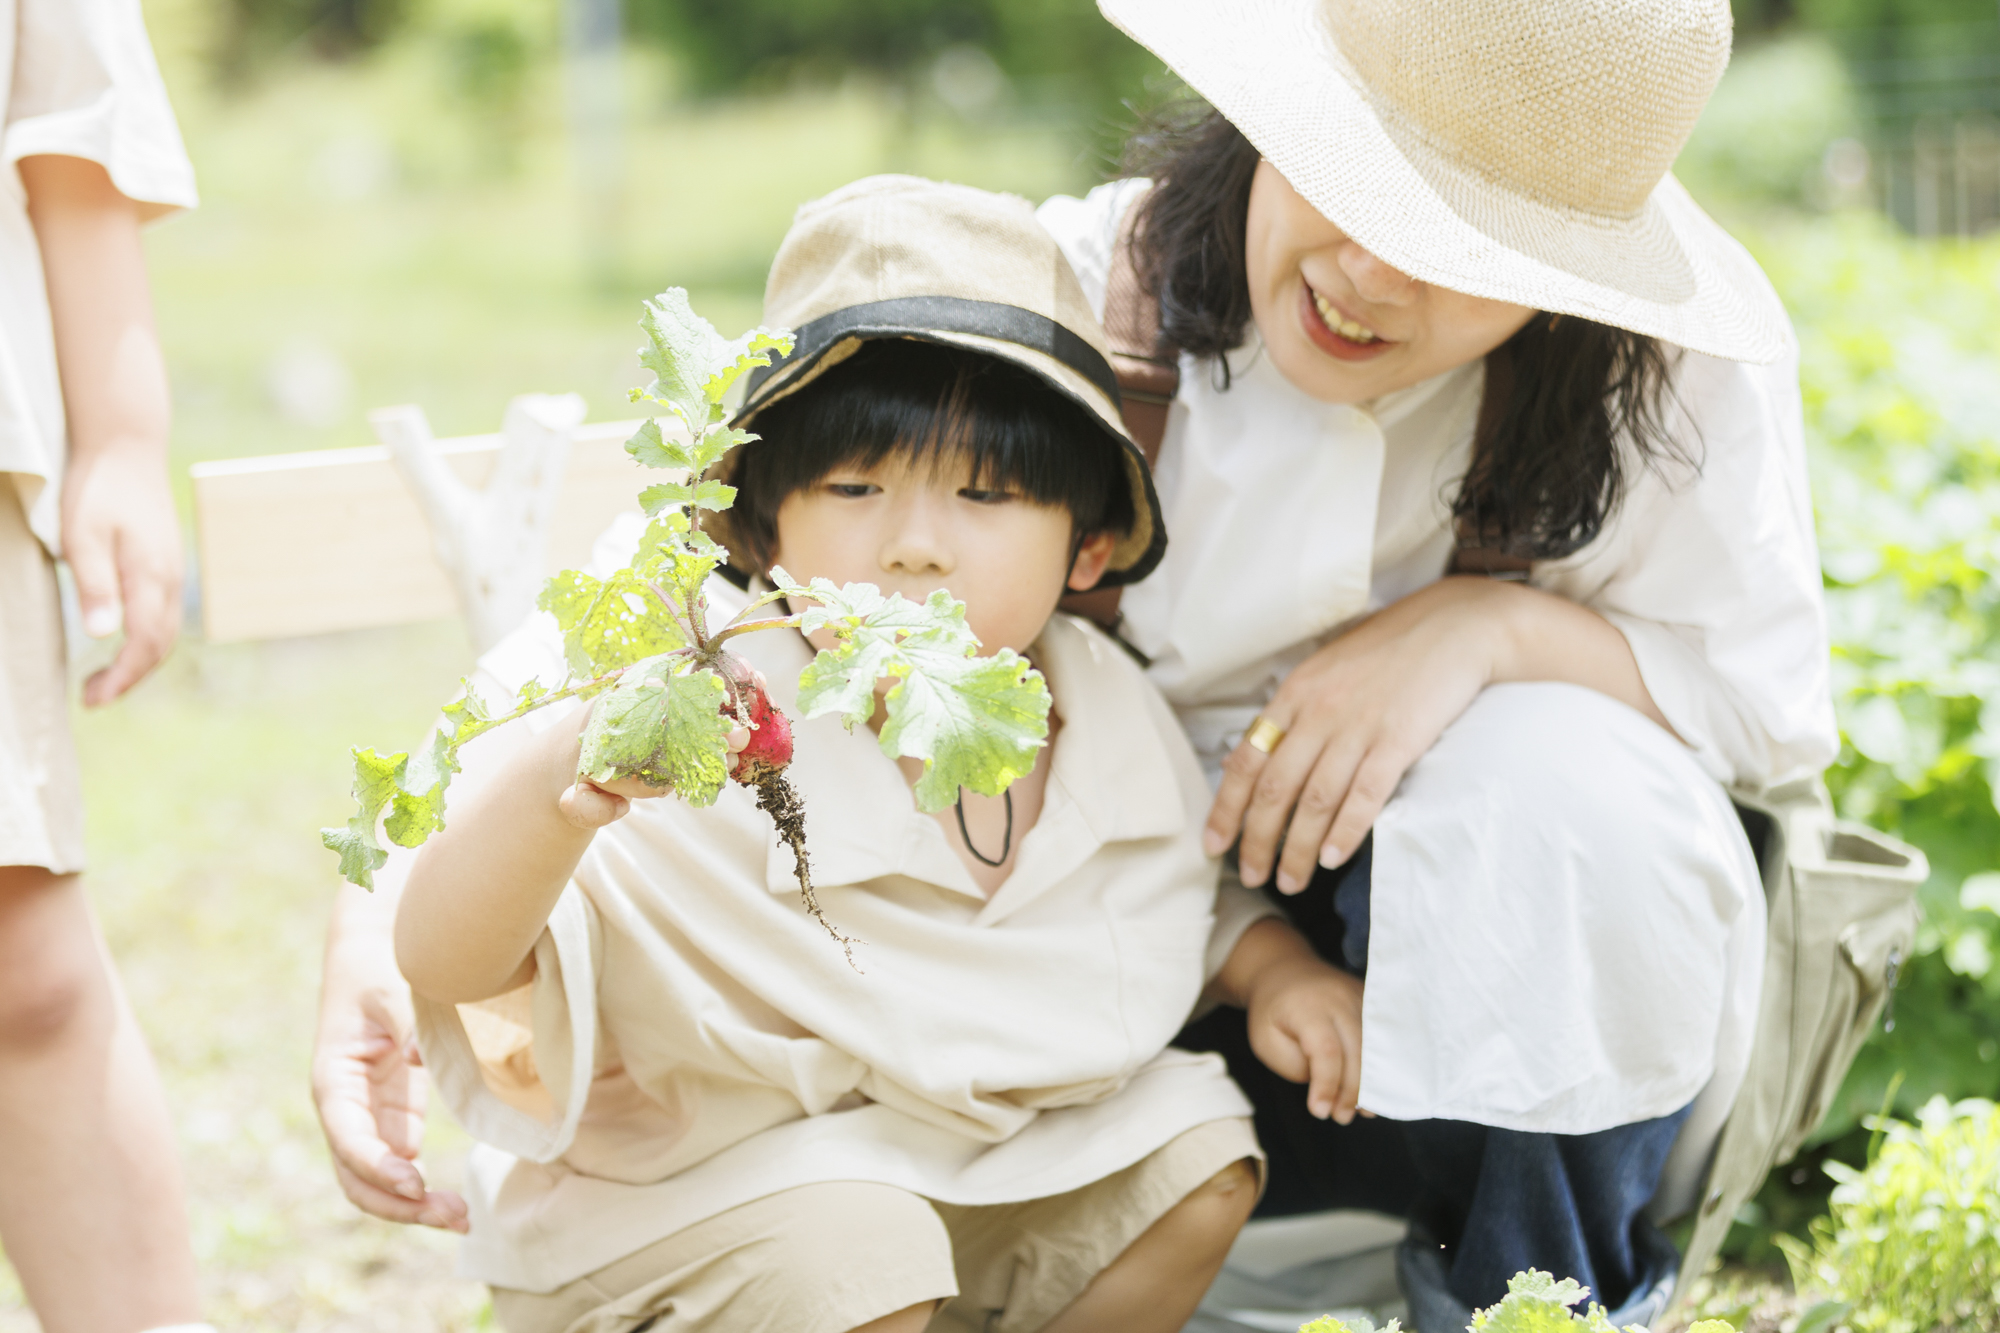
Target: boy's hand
(123, 544)
(1305, 1025)
(592, 805)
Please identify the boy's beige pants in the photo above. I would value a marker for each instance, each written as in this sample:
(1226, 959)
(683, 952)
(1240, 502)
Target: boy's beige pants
(827, 1258)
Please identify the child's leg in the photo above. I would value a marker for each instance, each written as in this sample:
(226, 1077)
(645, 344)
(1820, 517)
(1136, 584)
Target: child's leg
(842, 1257)
(91, 1213)
(1135, 1252)
(1161, 1277)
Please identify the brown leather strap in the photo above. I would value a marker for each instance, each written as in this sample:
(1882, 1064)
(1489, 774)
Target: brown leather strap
(1149, 375)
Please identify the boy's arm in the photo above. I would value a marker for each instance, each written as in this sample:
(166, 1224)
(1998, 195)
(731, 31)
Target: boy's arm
(1304, 1014)
(482, 889)
(120, 535)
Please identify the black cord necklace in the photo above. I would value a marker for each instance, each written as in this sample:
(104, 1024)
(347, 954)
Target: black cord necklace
(1006, 845)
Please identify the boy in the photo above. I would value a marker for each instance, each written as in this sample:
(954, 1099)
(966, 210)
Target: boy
(712, 1120)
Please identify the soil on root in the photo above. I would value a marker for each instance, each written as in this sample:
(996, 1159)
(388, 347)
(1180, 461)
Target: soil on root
(780, 800)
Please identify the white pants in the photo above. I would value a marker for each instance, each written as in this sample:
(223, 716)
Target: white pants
(1567, 929)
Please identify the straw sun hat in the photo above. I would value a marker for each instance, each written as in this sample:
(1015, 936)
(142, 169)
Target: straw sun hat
(1511, 149)
(900, 257)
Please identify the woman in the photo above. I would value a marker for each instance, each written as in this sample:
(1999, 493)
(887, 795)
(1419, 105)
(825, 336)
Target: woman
(1436, 304)
(1428, 287)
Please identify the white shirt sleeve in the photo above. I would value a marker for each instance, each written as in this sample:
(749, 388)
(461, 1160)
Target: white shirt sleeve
(1086, 229)
(85, 84)
(1711, 571)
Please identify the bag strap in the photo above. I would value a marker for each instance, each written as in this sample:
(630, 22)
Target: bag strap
(1149, 375)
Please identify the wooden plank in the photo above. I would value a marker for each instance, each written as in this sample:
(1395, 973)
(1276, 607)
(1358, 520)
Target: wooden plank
(293, 544)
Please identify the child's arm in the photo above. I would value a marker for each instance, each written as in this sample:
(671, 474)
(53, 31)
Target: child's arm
(1304, 1014)
(119, 532)
(482, 889)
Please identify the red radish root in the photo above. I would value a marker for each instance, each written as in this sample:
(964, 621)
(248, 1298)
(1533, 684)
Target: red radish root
(761, 764)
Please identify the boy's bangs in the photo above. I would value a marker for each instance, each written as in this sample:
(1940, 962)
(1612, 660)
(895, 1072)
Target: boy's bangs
(941, 406)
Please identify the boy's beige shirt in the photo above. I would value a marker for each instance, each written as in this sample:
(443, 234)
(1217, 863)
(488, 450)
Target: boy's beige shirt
(701, 1042)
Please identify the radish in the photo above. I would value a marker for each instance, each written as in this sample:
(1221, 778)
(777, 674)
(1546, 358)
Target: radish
(668, 693)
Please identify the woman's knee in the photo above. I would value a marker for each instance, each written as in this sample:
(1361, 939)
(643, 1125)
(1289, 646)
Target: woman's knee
(51, 970)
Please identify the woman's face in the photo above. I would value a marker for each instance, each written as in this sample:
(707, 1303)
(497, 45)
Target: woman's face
(1339, 323)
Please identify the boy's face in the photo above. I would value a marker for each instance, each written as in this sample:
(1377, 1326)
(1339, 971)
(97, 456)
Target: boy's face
(915, 525)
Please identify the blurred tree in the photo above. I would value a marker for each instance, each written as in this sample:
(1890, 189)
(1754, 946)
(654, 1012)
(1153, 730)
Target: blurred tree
(1058, 54)
(253, 30)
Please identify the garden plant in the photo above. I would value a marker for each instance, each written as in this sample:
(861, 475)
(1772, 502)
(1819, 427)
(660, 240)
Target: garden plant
(1912, 1244)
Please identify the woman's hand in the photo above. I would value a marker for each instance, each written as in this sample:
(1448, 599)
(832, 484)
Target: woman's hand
(1364, 708)
(368, 1082)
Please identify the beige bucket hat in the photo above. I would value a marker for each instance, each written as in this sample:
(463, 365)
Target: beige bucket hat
(1511, 149)
(901, 257)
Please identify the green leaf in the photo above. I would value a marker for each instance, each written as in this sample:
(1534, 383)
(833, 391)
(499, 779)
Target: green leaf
(610, 623)
(376, 781)
(466, 716)
(976, 722)
(715, 442)
(418, 809)
(706, 495)
(667, 730)
(1328, 1324)
(692, 365)
(653, 449)
(1535, 1303)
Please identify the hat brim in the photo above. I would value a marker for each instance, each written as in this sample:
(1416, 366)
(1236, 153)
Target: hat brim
(1064, 361)
(1272, 68)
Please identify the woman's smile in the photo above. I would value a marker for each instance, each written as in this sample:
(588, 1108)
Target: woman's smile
(1334, 331)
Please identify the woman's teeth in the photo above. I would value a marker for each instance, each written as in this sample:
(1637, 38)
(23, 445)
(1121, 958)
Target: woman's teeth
(1346, 328)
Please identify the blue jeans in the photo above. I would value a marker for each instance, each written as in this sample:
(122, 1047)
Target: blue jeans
(1483, 1203)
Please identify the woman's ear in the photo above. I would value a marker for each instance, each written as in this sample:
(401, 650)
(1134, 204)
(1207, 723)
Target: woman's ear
(1093, 553)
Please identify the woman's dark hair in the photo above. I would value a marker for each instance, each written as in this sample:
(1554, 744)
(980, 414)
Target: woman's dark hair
(931, 401)
(1547, 469)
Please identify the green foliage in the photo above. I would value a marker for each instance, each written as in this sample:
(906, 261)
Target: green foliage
(1762, 139)
(1535, 1303)
(976, 722)
(1913, 1241)
(638, 641)
(1052, 53)
(1360, 1324)
(1899, 355)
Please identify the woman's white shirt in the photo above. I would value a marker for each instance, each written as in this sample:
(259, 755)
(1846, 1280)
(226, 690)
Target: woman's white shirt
(1515, 978)
(77, 79)
(1287, 517)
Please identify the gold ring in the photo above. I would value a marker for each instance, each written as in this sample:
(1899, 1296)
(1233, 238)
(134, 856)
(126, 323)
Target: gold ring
(1264, 735)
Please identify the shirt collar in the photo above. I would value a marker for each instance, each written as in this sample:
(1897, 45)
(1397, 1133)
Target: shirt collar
(1112, 777)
